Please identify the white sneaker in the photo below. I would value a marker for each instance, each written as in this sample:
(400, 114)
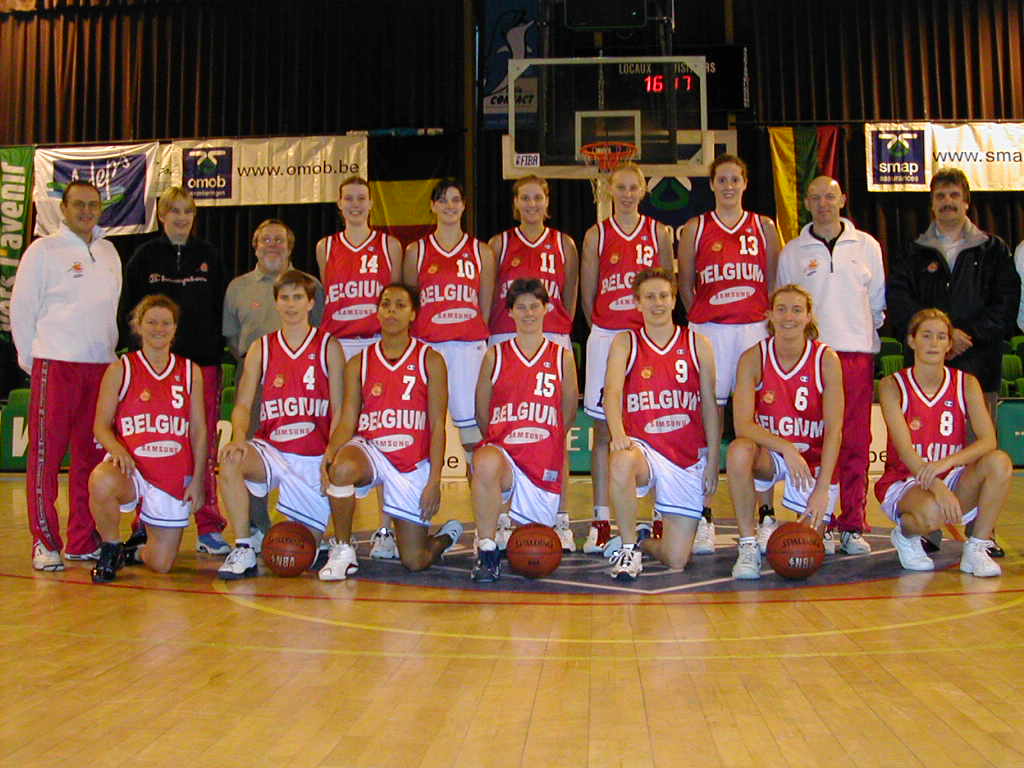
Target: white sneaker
(454, 530)
(503, 532)
(94, 555)
(765, 531)
(829, 541)
(976, 559)
(383, 545)
(44, 559)
(704, 539)
(912, 556)
(853, 543)
(597, 537)
(627, 564)
(748, 562)
(341, 562)
(239, 564)
(256, 539)
(565, 533)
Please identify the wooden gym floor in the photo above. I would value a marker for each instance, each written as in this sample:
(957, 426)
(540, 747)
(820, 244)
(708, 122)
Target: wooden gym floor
(184, 670)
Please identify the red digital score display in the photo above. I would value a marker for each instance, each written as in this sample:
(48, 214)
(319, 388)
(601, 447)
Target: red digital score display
(661, 83)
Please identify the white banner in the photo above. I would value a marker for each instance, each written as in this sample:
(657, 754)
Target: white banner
(267, 171)
(901, 157)
(126, 176)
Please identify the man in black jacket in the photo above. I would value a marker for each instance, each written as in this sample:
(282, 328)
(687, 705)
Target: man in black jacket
(967, 273)
(190, 271)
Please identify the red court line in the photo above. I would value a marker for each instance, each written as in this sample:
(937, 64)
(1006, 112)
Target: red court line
(653, 601)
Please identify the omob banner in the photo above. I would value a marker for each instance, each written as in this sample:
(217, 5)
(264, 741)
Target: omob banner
(901, 157)
(274, 171)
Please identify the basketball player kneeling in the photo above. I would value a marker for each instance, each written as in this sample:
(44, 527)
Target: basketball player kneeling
(933, 476)
(150, 419)
(788, 411)
(298, 369)
(660, 403)
(526, 397)
(391, 435)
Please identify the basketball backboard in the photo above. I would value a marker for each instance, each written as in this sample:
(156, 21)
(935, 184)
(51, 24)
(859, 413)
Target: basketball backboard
(557, 106)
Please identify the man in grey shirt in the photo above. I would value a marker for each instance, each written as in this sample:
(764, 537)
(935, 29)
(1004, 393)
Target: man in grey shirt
(249, 313)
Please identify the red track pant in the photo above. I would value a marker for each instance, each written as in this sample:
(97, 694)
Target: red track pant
(858, 391)
(209, 518)
(61, 412)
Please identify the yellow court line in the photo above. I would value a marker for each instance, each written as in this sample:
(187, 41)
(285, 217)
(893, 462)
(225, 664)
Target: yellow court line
(218, 587)
(352, 652)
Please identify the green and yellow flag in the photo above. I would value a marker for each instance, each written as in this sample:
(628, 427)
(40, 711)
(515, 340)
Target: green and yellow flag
(799, 155)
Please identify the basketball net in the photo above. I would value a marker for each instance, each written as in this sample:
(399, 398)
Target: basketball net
(606, 156)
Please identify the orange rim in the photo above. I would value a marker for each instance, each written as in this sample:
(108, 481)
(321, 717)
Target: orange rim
(608, 155)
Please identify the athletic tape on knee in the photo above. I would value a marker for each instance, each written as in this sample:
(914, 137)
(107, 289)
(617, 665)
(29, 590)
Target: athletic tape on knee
(341, 491)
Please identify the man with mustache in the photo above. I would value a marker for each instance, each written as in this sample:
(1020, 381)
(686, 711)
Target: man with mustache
(967, 273)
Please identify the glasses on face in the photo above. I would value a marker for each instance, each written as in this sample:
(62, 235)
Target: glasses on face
(81, 205)
(270, 240)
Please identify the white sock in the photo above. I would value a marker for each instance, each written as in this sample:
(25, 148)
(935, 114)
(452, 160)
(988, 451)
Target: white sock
(602, 513)
(486, 545)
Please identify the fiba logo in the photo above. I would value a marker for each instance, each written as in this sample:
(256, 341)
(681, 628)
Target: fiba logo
(899, 156)
(207, 172)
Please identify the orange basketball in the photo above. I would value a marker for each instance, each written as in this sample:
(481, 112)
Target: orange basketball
(534, 550)
(795, 550)
(289, 548)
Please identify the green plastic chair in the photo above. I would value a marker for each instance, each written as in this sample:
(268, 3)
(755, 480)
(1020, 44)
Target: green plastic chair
(889, 364)
(890, 347)
(19, 399)
(1017, 387)
(227, 402)
(1013, 368)
(1004, 388)
(227, 375)
(1016, 343)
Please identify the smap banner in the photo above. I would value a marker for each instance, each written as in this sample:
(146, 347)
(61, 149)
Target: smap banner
(16, 206)
(126, 176)
(901, 157)
(275, 171)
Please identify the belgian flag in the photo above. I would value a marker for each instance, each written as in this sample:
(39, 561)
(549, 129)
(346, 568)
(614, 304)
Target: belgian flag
(799, 155)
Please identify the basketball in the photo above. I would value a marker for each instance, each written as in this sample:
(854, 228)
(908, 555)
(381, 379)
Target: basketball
(534, 550)
(289, 548)
(795, 551)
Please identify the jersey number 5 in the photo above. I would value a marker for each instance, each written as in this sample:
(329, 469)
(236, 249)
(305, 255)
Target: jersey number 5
(177, 395)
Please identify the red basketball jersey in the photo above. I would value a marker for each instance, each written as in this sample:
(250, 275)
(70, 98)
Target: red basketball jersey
(731, 265)
(354, 276)
(526, 411)
(789, 403)
(661, 402)
(449, 283)
(620, 257)
(152, 420)
(394, 416)
(295, 415)
(938, 424)
(544, 260)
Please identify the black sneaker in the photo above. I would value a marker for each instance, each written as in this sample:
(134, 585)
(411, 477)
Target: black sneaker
(111, 559)
(487, 567)
(131, 545)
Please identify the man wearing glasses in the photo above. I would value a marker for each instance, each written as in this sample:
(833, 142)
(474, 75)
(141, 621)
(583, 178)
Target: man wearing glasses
(250, 312)
(64, 324)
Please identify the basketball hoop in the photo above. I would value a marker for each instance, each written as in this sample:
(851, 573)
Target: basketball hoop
(607, 156)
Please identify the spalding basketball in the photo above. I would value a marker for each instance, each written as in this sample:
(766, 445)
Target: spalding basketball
(289, 548)
(534, 550)
(795, 550)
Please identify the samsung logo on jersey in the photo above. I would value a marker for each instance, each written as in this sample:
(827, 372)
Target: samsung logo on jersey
(731, 295)
(292, 431)
(664, 424)
(453, 316)
(158, 449)
(392, 443)
(355, 312)
(527, 435)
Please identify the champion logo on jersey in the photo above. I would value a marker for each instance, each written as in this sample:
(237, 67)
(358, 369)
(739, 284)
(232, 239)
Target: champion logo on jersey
(177, 377)
(647, 372)
(432, 269)
(410, 367)
(644, 238)
(377, 389)
(279, 380)
(768, 397)
(145, 396)
(311, 356)
(717, 246)
(948, 403)
(804, 379)
(915, 424)
(614, 258)
(547, 363)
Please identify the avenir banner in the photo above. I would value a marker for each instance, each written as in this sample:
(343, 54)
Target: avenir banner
(15, 210)
(901, 157)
